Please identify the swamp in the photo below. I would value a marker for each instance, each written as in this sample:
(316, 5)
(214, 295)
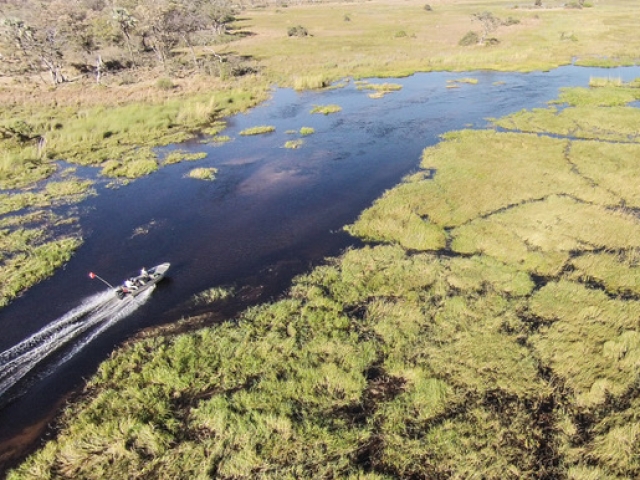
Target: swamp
(458, 290)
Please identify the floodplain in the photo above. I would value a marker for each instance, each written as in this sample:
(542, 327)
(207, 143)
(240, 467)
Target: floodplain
(490, 328)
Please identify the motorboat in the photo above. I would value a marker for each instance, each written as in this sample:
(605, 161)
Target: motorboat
(134, 286)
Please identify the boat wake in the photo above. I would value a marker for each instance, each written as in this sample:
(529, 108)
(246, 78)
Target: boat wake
(63, 338)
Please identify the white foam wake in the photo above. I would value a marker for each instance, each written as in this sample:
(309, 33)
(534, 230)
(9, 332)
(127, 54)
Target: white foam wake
(73, 331)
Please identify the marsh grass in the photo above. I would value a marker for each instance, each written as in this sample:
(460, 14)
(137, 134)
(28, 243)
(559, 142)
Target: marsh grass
(212, 295)
(203, 173)
(259, 130)
(379, 89)
(468, 80)
(605, 81)
(586, 120)
(22, 270)
(311, 82)
(182, 156)
(293, 144)
(394, 361)
(326, 109)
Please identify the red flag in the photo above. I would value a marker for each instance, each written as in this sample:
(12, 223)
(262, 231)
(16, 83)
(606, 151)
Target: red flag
(92, 275)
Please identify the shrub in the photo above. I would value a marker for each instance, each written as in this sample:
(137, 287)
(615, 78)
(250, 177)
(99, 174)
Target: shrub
(165, 84)
(297, 31)
(510, 21)
(428, 8)
(471, 38)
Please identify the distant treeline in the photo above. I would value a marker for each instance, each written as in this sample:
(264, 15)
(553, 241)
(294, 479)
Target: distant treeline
(62, 39)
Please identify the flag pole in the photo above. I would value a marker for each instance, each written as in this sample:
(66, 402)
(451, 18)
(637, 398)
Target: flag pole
(93, 275)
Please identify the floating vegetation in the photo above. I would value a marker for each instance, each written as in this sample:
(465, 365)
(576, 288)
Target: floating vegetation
(304, 131)
(212, 295)
(258, 130)
(326, 109)
(294, 143)
(468, 80)
(379, 89)
(220, 139)
(215, 128)
(203, 173)
(178, 156)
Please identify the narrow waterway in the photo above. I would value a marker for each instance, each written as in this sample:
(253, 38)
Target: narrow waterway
(271, 214)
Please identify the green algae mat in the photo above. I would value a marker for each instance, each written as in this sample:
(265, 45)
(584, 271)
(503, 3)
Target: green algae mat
(491, 329)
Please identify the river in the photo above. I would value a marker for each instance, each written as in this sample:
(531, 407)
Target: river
(271, 213)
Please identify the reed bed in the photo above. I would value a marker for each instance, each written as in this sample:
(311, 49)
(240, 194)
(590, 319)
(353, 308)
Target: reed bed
(259, 130)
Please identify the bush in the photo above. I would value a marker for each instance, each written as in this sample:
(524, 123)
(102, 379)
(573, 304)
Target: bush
(471, 38)
(297, 31)
(510, 21)
(165, 84)
(428, 8)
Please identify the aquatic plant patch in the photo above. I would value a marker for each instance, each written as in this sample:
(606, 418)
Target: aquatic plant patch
(203, 173)
(326, 109)
(181, 156)
(293, 144)
(259, 130)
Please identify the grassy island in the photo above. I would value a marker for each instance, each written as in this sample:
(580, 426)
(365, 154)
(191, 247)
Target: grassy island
(490, 327)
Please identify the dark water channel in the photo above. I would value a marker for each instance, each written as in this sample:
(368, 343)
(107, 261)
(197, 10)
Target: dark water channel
(271, 214)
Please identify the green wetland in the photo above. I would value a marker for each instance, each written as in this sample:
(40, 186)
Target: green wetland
(488, 326)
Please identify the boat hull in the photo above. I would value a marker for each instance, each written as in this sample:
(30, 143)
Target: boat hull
(143, 283)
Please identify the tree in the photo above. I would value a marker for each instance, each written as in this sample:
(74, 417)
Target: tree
(489, 24)
(126, 24)
(37, 47)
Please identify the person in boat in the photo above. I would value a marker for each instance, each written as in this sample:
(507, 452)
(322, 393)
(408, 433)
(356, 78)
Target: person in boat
(144, 273)
(130, 284)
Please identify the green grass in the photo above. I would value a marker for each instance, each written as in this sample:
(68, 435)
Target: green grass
(220, 139)
(23, 269)
(326, 109)
(259, 130)
(492, 331)
(212, 295)
(293, 144)
(379, 89)
(203, 173)
(311, 82)
(181, 156)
